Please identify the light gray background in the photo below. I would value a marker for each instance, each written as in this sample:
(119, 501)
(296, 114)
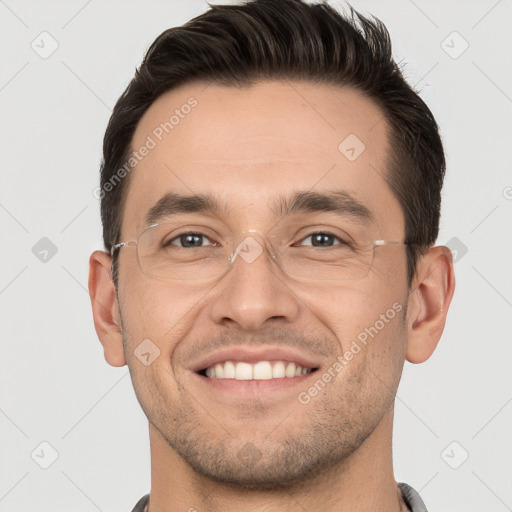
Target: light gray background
(55, 386)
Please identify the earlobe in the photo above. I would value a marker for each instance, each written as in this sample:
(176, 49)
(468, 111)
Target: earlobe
(105, 308)
(429, 300)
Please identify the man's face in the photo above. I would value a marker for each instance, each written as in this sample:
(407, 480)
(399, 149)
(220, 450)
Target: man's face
(250, 148)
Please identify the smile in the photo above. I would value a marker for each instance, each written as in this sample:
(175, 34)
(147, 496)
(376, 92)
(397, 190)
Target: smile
(261, 370)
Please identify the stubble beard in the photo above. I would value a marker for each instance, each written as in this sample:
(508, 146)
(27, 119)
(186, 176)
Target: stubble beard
(303, 444)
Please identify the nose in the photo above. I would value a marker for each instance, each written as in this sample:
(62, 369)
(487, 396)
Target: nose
(254, 291)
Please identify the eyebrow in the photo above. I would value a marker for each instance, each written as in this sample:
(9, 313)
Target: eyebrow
(173, 204)
(340, 202)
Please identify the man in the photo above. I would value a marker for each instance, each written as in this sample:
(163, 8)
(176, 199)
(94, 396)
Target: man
(270, 203)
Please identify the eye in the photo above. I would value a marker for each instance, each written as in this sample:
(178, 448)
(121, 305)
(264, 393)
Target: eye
(190, 239)
(322, 239)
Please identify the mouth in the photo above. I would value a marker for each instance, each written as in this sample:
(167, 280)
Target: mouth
(250, 371)
(260, 370)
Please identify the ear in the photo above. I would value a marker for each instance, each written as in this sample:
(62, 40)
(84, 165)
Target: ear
(105, 308)
(430, 297)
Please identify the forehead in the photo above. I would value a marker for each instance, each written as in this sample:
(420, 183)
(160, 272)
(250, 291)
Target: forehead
(248, 146)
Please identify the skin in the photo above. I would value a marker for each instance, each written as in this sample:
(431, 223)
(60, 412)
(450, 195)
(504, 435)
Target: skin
(247, 146)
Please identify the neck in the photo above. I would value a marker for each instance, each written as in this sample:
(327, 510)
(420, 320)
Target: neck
(363, 482)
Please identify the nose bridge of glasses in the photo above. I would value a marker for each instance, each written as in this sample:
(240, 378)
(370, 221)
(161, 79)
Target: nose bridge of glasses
(249, 244)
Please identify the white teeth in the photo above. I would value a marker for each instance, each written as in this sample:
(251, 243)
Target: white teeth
(262, 370)
(278, 370)
(219, 371)
(243, 371)
(229, 370)
(290, 370)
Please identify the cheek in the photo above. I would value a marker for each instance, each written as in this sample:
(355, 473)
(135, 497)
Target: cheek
(358, 311)
(156, 316)
(367, 319)
(157, 310)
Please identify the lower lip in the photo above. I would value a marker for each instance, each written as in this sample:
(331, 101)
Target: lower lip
(254, 387)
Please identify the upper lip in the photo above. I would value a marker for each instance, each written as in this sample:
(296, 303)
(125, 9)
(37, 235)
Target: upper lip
(253, 355)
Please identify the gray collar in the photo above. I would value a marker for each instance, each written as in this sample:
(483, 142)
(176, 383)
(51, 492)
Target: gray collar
(411, 498)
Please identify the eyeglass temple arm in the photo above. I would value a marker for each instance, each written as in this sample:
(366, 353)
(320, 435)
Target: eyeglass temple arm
(119, 246)
(389, 242)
